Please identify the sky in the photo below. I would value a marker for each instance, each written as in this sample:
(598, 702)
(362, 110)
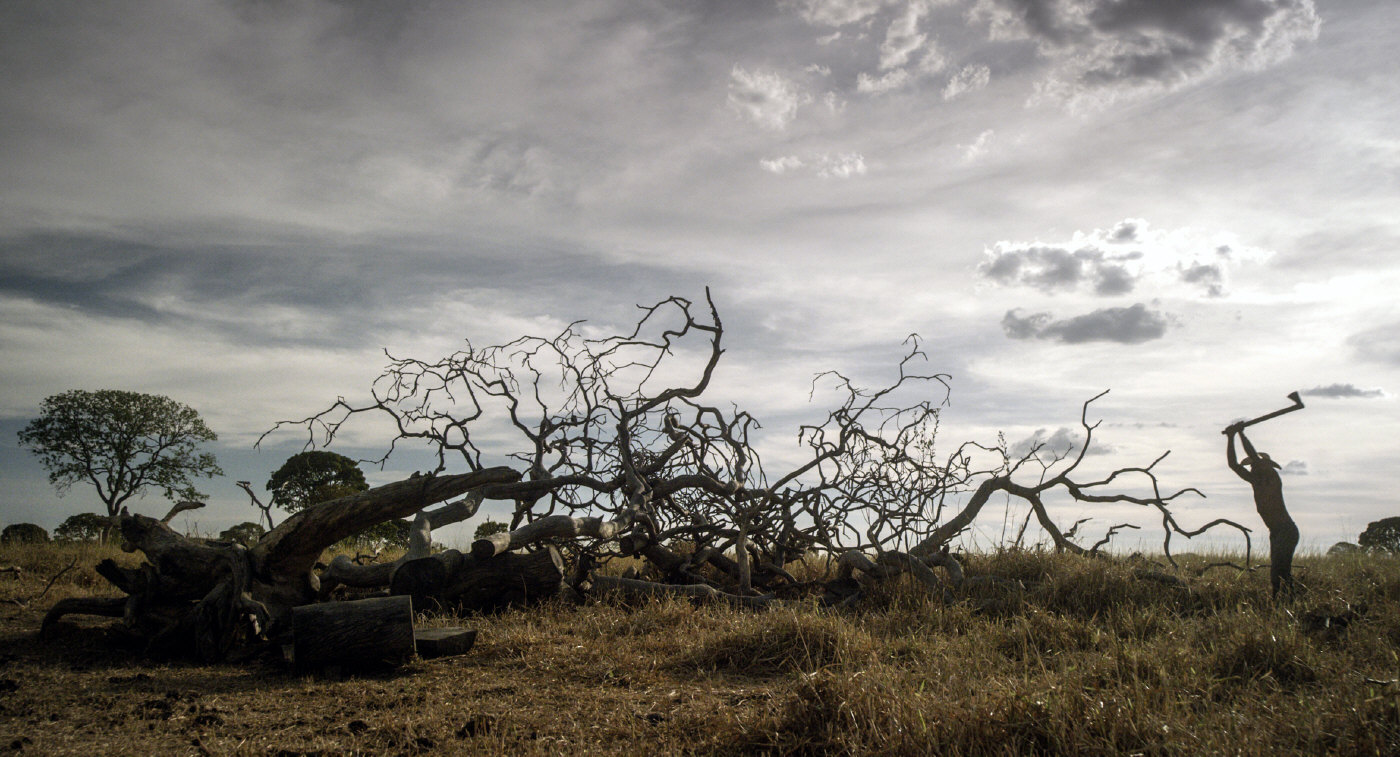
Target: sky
(1194, 205)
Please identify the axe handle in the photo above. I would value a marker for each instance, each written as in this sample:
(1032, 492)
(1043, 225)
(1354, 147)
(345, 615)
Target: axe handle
(1262, 418)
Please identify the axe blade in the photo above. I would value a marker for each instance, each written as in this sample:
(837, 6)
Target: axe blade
(1297, 405)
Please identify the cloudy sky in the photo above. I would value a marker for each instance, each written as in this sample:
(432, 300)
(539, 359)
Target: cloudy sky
(1192, 204)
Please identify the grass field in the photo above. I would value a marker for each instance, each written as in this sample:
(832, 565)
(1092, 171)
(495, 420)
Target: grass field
(1088, 658)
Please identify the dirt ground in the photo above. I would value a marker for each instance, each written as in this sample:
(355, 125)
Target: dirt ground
(1087, 659)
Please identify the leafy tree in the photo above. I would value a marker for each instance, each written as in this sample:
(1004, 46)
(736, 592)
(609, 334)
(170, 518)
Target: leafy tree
(246, 533)
(23, 533)
(490, 528)
(81, 527)
(122, 443)
(308, 478)
(1381, 535)
(390, 533)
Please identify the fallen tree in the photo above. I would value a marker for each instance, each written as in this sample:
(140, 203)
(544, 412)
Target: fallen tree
(613, 461)
(211, 599)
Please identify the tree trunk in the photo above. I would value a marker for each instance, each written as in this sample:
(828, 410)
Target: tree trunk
(344, 572)
(549, 527)
(285, 556)
(452, 580)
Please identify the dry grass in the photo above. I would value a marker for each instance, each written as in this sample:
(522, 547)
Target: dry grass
(1085, 658)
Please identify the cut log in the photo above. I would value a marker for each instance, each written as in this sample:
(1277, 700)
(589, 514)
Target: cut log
(366, 633)
(443, 642)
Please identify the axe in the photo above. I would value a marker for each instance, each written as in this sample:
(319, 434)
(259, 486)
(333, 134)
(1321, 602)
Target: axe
(1297, 405)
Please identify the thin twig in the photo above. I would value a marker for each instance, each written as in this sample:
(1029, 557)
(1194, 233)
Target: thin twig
(49, 585)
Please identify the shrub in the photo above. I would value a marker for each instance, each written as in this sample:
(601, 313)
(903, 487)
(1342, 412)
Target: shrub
(246, 533)
(23, 533)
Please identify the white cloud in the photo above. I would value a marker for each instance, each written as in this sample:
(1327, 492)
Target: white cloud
(842, 166)
(967, 79)
(833, 12)
(978, 147)
(765, 97)
(890, 80)
(903, 38)
(826, 165)
(781, 165)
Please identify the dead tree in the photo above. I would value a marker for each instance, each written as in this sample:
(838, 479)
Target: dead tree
(617, 453)
(265, 509)
(212, 599)
(614, 461)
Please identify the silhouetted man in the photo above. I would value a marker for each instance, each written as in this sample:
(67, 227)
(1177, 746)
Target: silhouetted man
(1262, 474)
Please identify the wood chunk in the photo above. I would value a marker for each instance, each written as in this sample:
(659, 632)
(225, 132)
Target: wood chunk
(443, 642)
(364, 633)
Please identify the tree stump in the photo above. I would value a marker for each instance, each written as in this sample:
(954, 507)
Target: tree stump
(365, 633)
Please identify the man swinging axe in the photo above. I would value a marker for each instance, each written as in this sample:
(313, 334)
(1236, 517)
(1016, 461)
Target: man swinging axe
(1262, 474)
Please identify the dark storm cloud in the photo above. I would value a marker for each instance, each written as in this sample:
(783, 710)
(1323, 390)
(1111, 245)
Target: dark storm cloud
(1108, 43)
(1130, 325)
(1051, 269)
(1344, 391)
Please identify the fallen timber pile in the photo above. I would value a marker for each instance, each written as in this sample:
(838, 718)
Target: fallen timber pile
(217, 601)
(609, 464)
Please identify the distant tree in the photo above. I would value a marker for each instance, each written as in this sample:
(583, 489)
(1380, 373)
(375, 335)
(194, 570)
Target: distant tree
(390, 533)
(308, 478)
(23, 533)
(490, 528)
(1381, 535)
(245, 533)
(1343, 548)
(81, 527)
(122, 443)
